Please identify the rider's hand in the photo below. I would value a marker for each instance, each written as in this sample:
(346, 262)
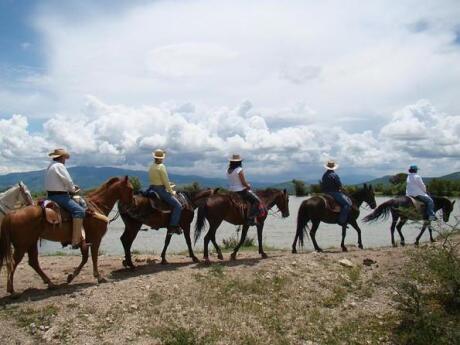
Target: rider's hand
(174, 193)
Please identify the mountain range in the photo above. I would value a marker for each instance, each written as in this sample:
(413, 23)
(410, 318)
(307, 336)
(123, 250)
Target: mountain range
(90, 177)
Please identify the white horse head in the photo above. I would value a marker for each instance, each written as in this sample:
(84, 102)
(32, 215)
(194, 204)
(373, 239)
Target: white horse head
(16, 197)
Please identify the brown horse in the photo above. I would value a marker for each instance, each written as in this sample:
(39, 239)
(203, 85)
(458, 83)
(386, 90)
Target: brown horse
(220, 207)
(315, 210)
(142, 213)
(23, 228)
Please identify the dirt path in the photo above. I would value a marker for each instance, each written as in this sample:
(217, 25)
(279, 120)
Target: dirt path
(307, 298)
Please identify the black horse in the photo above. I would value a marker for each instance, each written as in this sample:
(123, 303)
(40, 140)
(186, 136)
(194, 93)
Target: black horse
(315, 210)
(402, 208)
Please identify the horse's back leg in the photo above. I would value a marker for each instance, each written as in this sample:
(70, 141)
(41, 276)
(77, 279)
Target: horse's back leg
(94, 258)
(33, 262)
(209, 235)
(425, 225)
(344, 233)
(244, 233)
(17, 257)
(354, 224)
(216, 246)
(314, 228)
(165, 247)
(399, 228)
(132, 228)
(394, 221)
(430, 229)
(76, 271)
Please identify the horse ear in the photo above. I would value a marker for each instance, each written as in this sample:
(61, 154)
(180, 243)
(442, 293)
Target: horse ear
(453, 202)
(285, 191)
(125, 180)
(365, 186)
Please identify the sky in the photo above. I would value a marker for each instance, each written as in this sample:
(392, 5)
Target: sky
(287, 84)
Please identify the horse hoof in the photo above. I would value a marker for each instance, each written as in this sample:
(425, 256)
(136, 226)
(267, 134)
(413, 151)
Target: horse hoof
(15, 295)
(360, 246)
(69, 278)
(52, 286)
(233, 256)
(195, 259)
(101, 280)
(403, 244)
(394, 245)
(416, 244)
(164, 262)
(263, 255)
(220, 256)
(125, 264)
(344, 249)
(433, 241)
(319, 250)
(294, 251)
(207, 261)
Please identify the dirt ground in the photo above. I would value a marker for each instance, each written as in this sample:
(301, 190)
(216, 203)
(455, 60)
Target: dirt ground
(307, 298)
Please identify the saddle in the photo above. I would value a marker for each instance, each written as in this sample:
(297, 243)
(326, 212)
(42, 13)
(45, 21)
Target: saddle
(330, 203)
(243, 206)
(56, 215)
(161, 206)
(418, 205)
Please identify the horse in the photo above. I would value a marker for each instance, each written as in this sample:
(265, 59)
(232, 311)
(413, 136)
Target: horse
(220, 207)
(23, 228)
(316, 210)
(402, 208)
(13, 198)
(142, 213)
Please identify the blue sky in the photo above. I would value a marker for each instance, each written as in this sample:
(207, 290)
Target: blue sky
(376, 88)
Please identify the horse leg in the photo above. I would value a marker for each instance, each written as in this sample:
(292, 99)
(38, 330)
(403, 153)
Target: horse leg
(314, 227)
(33, 262)
(294, 244)
(344, 233)
(165, 247)
(399, 228)
(127, 238)
(94, 257)
(430, 229)
(189, 243)
(260, 229)
(216, 246)
(244, 232)
(425, 224)
(76, 271)
(392, 229)
(209, 235)
(17, 257)
(354, 224)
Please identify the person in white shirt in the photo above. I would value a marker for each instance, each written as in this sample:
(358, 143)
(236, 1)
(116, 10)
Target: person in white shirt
(417, 189)
(237, 183)
(59, 187)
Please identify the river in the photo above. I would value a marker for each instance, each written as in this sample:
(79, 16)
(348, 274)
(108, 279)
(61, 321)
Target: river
(278, 233)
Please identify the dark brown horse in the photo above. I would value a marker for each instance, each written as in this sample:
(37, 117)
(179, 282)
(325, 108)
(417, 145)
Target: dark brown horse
(315, 210)
(142, 213)
(402, 208)
(220, 207)
(23, 228)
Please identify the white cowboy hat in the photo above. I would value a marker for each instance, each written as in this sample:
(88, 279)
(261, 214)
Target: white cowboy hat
(59, 153)
(159, 154)
(235, 158)
(331, 165)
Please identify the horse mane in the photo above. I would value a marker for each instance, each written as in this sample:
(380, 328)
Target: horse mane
(104, 186)
(267, 191)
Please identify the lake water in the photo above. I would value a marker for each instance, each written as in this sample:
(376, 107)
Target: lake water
(278, 233)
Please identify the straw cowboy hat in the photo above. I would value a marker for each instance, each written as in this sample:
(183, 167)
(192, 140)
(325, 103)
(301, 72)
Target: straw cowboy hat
(235, 158)
(331, 165)
(159, 154)
(59, 153)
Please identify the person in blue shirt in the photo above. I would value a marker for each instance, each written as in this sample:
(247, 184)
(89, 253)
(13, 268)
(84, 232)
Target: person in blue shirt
(331, 184)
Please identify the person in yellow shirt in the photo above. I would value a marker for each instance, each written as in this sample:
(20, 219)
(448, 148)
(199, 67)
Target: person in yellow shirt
(159, 182)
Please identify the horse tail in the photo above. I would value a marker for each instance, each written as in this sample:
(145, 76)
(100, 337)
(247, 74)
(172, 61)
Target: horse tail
(200, 221)
(5, 244)
(302, 220)
(381, 212)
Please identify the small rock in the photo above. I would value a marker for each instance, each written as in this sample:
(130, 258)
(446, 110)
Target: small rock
(346, 263)
(293, 263)
(368, 262)
(133, 306)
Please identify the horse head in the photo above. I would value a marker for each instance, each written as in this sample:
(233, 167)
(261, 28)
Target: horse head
(126, 191)
(25, 194)
(447, 208)
(198, 198)
(369, 196)
(282, 202)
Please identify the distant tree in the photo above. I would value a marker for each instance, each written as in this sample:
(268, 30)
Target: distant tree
(136, 183)
(299, 188)
(398, 178)
(315, 188)
(193, 187)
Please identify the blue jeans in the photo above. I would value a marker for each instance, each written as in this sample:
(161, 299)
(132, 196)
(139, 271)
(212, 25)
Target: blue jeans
(429, 206)
(345, 206)
(67, 203)
(170, 200)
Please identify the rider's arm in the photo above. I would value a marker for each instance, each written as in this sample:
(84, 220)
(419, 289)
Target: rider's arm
(243, 179)
(63, 174)
(165, 179)
(420, 183)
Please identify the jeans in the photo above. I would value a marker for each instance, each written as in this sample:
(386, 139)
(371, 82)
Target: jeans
(345, 206)
(429, 206)
(170, 200)
(253, 199)
(68, 204)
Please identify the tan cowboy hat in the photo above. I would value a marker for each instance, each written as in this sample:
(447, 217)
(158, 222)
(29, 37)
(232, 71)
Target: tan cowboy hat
(59, 153)
(331, 165)
(235, 158)
(159, 154)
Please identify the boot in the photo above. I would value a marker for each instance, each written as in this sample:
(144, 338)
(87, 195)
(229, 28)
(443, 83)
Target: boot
(78, 234)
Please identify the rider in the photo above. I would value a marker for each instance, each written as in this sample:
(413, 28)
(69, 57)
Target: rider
(417, 189)
(331, 184)
(59, 187)
(237, 183)
(159, 182)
